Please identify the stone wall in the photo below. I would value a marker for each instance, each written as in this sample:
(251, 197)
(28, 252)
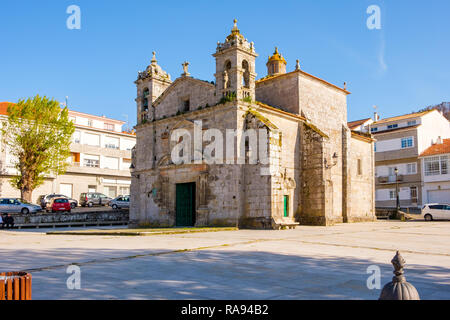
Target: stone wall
(199, 93)
(362, 190)
(218, 186)
(281, 92)
(312, 210)
(98, 216)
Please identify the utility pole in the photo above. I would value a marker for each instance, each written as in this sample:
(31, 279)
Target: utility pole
(397, 191)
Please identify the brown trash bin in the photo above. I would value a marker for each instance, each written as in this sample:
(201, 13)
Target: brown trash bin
(15, 286)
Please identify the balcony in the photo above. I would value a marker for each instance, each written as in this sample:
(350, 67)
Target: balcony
(93, 169)
(390, 179)
(111, 146)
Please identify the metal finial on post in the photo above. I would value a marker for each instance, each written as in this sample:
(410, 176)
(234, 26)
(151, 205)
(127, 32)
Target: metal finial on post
(399, 288)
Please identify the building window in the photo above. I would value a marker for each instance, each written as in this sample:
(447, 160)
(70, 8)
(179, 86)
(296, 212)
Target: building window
(109, 126)
(111, 143)
(186, 105)
(432, 166)
(124, 191)
(411, 168)
(413, 193)
(77, 137)
(375, 147)
(111, 191)
(444, 165)
(392, 126)
(75, 159)
(407, 142)
(436, 165)
(91, 163)
(412, 123)
(374, 129)
(91, 139)
(90, 123)
(359, 167)
(392, 195)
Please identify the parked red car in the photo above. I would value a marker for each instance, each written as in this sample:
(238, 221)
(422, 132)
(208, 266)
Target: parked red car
(59, 205)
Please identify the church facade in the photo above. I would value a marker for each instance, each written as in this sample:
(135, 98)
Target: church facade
(249, 153)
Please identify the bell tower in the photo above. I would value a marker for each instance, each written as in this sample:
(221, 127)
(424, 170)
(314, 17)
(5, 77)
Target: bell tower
(150, 84)
(235, 66)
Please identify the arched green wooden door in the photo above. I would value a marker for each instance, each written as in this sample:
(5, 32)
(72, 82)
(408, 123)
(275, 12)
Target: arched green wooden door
(185, 205)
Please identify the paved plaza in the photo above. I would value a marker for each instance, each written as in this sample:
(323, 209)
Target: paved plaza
(305, 263)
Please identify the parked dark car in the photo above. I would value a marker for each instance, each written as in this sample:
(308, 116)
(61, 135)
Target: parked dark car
(59, 205)
(45, 199)
(94, 199)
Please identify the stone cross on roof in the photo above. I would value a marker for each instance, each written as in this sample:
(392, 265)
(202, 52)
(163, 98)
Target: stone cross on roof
(185, 69)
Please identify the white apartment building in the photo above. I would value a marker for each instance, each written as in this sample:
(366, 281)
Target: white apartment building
(100, 160)
(400, 142)
(436, 173)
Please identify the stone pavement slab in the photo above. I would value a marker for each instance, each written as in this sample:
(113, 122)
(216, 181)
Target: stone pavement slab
(305, 263)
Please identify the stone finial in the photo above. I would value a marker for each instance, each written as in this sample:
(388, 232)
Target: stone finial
(399, 263)
(399, 288)
(154, 61)
(345, 85)
(297, 66)
(185, 69)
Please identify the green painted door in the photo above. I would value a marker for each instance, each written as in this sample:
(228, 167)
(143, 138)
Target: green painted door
(185, 205)
(286, 206)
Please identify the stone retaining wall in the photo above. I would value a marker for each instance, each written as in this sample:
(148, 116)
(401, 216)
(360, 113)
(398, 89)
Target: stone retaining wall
(98, 216)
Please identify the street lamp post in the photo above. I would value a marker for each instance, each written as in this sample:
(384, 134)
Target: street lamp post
(396, 190)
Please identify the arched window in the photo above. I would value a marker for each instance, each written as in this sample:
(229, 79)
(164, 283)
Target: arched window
(226, 74)
(227, 65)
(145, 102)
(246, 77)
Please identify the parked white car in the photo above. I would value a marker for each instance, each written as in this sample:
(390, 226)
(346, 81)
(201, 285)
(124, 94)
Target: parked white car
(121, 202)
(436, 211)
(14, 205)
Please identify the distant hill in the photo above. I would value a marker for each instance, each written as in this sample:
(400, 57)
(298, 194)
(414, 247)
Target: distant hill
(444, 107)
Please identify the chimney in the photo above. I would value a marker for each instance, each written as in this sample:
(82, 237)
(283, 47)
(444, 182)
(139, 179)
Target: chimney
(376, 117)
(439, 140)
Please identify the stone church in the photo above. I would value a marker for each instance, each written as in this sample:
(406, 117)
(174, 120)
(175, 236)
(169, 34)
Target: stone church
(317, 171)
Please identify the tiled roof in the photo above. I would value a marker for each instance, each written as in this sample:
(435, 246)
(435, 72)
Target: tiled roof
(354, 124)
(437, 149)
(4, 107)
(403, 117)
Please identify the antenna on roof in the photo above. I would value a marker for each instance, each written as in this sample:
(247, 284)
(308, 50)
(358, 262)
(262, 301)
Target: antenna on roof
(126, 117)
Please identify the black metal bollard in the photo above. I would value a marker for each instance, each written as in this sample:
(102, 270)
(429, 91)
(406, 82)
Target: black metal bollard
(399, 289)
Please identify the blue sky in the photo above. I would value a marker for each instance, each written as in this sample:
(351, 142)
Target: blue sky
(400, 68)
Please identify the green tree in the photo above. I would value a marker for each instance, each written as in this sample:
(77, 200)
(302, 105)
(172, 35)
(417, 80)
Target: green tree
(37, 134)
